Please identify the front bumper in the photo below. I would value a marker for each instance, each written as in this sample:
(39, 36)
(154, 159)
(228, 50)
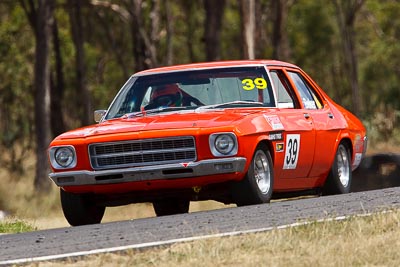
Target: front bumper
(148, 173)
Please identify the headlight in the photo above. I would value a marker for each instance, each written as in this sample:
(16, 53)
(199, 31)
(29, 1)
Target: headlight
(223, 144)
(62, 157)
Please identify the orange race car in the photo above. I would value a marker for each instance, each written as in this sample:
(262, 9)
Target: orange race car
(234, 131)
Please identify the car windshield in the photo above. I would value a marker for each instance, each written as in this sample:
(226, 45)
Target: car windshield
(211, 88)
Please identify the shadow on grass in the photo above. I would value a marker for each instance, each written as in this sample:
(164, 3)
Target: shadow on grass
(377, 172)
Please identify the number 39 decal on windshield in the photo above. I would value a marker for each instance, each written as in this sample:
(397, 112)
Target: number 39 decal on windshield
(291, 151)
(250, 84)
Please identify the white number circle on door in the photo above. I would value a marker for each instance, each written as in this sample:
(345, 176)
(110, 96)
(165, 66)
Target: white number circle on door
(291, 151)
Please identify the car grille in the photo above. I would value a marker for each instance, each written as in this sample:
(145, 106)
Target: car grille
(142, 152)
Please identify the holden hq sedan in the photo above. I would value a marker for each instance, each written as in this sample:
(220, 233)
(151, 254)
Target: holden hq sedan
(237, 132)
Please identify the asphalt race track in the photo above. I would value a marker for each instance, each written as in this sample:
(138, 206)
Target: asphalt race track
(149, 232)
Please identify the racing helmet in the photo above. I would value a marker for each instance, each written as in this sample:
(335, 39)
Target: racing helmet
(169, 95)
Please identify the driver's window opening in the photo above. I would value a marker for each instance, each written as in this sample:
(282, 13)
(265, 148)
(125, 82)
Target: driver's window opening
(284, 98)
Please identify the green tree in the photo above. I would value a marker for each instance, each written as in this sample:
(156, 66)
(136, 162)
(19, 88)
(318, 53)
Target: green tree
(40, 15)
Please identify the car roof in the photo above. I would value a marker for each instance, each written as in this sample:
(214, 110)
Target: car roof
(216, 64)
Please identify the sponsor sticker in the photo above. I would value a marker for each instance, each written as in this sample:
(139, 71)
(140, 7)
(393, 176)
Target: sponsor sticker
(274, 121)
(309, 104)
(279, 147)
(275, 136)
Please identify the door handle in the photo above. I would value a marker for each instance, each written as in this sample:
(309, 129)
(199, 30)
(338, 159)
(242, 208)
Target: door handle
(330, 115)
(306, 115)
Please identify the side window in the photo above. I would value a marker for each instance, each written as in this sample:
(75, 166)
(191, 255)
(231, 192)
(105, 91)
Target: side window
(308, 97)
(284, 99)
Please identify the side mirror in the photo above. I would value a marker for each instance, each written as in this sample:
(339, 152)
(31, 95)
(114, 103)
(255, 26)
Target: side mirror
(99, 114)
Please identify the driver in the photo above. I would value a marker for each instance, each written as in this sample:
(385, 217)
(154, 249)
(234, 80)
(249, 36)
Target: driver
(169, 95)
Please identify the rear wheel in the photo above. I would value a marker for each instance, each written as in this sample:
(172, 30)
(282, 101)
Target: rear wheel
(340, 175)
(79, 209)
(171, 206)
(256, 186)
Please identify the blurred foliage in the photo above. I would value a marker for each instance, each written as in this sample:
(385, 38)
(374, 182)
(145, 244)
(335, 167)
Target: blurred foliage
(16, 95)
(382, 126)
(312, 44)
(313, 36)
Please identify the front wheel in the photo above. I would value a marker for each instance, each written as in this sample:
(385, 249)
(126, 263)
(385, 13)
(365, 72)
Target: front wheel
(79, 209)
(171, 206)
(340, 175)
(256, 186)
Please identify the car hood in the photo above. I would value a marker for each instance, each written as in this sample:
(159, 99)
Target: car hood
(170, 120)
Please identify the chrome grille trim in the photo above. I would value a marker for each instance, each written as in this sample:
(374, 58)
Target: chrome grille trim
(134, 153)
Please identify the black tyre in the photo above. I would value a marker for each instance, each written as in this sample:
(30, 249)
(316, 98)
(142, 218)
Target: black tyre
(171, 206)
(256, 187)
(79, 209)
(340, 175)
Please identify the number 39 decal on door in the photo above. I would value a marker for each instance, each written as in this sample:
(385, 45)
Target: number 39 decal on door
(291, 151)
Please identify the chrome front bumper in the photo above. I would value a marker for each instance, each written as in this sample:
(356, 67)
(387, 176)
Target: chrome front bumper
(148, 173)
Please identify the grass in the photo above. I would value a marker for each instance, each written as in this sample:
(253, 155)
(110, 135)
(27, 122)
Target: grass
(13, 226)
(358, 241)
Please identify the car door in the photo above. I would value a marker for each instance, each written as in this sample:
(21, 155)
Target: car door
(299, 134)
(323, 119)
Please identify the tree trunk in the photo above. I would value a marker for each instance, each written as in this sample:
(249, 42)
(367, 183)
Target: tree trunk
(189, 8)
(248, 26)
(212, 28)
(74, 7)
(169, 57)
(346, 12)
(57, 87)
(44, 21)
(153, 40)
(262, 17)
(139, 48)
(280, 41)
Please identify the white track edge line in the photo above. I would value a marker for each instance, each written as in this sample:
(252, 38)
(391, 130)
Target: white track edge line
(171, 241)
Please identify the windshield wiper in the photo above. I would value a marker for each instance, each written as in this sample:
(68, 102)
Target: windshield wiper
(233, 104)
(163, 109)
